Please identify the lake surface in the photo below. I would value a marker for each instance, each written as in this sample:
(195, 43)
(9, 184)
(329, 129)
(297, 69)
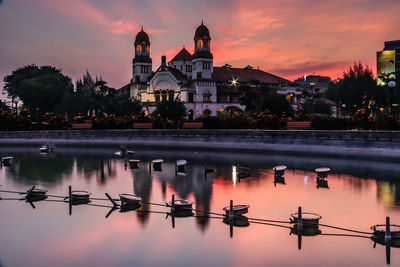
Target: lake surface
(359, 194)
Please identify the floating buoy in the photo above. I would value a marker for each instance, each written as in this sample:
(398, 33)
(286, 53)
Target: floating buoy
(386, 233)
(47, 148)
(134, 163)
(157, 164)
(308, 219)
(182, 204)
(279, 170)
(130, 199)
(237, 209)
(239, 221)
(35, 194)
(279, 180)
(181, 207)
(322, 183)
(180, 166)
(322, 173)
(79, 197)
(6, 161)
(130, 152)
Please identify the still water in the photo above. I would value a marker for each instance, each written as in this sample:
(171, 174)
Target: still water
(359, 195)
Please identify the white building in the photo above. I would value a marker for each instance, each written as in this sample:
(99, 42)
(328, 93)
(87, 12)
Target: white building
(192, 78)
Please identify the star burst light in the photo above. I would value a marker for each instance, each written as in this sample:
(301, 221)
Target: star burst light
(234, 82)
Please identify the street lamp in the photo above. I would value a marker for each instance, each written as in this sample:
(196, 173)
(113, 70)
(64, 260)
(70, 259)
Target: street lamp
(16, 106)
(391, 85)
(343, 107)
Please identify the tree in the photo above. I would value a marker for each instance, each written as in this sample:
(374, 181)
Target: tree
(357, 89)
(38, 87)
(276, 104)
(4, 107)
(251, 97)
(172, 109)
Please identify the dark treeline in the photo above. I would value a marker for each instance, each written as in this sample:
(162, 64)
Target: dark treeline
(45, 89)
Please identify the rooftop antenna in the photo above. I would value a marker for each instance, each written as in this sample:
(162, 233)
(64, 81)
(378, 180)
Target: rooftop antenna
(142, 27)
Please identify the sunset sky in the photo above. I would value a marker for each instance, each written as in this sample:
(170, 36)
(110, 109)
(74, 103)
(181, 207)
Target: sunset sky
(285, 37)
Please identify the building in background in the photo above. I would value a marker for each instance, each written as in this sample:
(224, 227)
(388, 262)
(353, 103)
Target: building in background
(315, 83)
(193, 78)
(388, 60)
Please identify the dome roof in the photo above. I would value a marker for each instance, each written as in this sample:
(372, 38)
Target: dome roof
(202, 31)
(142, 37)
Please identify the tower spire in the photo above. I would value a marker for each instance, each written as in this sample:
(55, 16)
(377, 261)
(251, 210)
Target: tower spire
(201, 21)
(142, 27)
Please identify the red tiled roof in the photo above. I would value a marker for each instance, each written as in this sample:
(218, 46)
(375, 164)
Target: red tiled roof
(247, 75)
(183, 55)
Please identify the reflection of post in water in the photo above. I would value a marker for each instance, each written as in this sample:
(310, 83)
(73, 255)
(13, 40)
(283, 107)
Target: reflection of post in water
(142, 184)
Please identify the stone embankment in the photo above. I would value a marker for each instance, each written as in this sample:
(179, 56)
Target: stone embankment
(379, 145)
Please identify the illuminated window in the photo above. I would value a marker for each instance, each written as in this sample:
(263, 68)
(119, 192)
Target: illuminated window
(148, 49)
(138, 48)
(199, 43)
(206, 97)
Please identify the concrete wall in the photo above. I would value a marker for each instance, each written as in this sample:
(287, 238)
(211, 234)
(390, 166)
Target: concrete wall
(378, 145)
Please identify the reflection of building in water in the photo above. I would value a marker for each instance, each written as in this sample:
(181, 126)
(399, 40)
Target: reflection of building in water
(202, 189)
(32, 168)
(194, 181)
(103, 168)
(142, 183)
(388, 193)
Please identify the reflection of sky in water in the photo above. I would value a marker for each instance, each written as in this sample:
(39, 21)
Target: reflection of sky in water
(48, 236)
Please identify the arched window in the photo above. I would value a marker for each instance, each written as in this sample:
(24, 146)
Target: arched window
(148, 49)
(199, 43)
(138, 48)
(157, 96)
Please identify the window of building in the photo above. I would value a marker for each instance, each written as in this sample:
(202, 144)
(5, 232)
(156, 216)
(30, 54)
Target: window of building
(199, 43)
(206, 65)
(188, 68)
(157, 96)
(181, 67)
(138, 48)
(164, 96)
(144, 69)
(206, 97)
(171, 95)
(190, 97)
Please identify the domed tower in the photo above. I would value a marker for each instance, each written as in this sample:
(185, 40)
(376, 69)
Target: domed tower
(202, 61)
(142, 64)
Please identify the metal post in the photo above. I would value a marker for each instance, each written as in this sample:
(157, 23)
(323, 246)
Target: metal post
(388, 236)
(112, 200)
(299, 221)
(173, 205)
(70, 200)
(231, 210)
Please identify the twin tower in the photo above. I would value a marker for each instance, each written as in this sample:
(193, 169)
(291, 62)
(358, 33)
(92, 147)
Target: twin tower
(201, 60)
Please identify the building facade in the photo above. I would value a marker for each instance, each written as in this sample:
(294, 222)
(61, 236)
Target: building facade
(388, 60)
(193, 78)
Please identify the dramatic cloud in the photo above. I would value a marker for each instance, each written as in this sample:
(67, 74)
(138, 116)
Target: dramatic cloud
(286, 37)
